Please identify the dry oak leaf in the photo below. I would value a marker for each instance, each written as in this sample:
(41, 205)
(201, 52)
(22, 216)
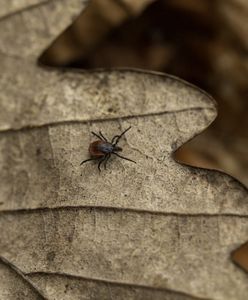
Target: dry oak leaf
(151, 230)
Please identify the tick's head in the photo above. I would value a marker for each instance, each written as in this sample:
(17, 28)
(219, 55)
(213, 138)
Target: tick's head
(117, 149)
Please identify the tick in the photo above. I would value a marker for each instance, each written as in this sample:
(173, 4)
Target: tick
(102, 149)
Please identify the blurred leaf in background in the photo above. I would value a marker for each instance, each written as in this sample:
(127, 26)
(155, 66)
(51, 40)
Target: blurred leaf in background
(240, 256)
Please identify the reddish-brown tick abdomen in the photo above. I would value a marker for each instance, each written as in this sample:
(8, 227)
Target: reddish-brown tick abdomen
(94, 149)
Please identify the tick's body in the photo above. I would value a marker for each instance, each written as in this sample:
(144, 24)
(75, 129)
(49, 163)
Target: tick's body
(102, 149)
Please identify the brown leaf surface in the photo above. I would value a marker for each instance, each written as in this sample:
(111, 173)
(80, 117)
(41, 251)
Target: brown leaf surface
(71, 287)
(14, 285)
(155, 229)
(15, 6)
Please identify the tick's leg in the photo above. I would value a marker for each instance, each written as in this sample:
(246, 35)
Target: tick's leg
(123, 157)
(113, 139)
(97, 135)
(103, 136)
(106, 160)
(100, 162)
(118, 137)
(84, 161)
